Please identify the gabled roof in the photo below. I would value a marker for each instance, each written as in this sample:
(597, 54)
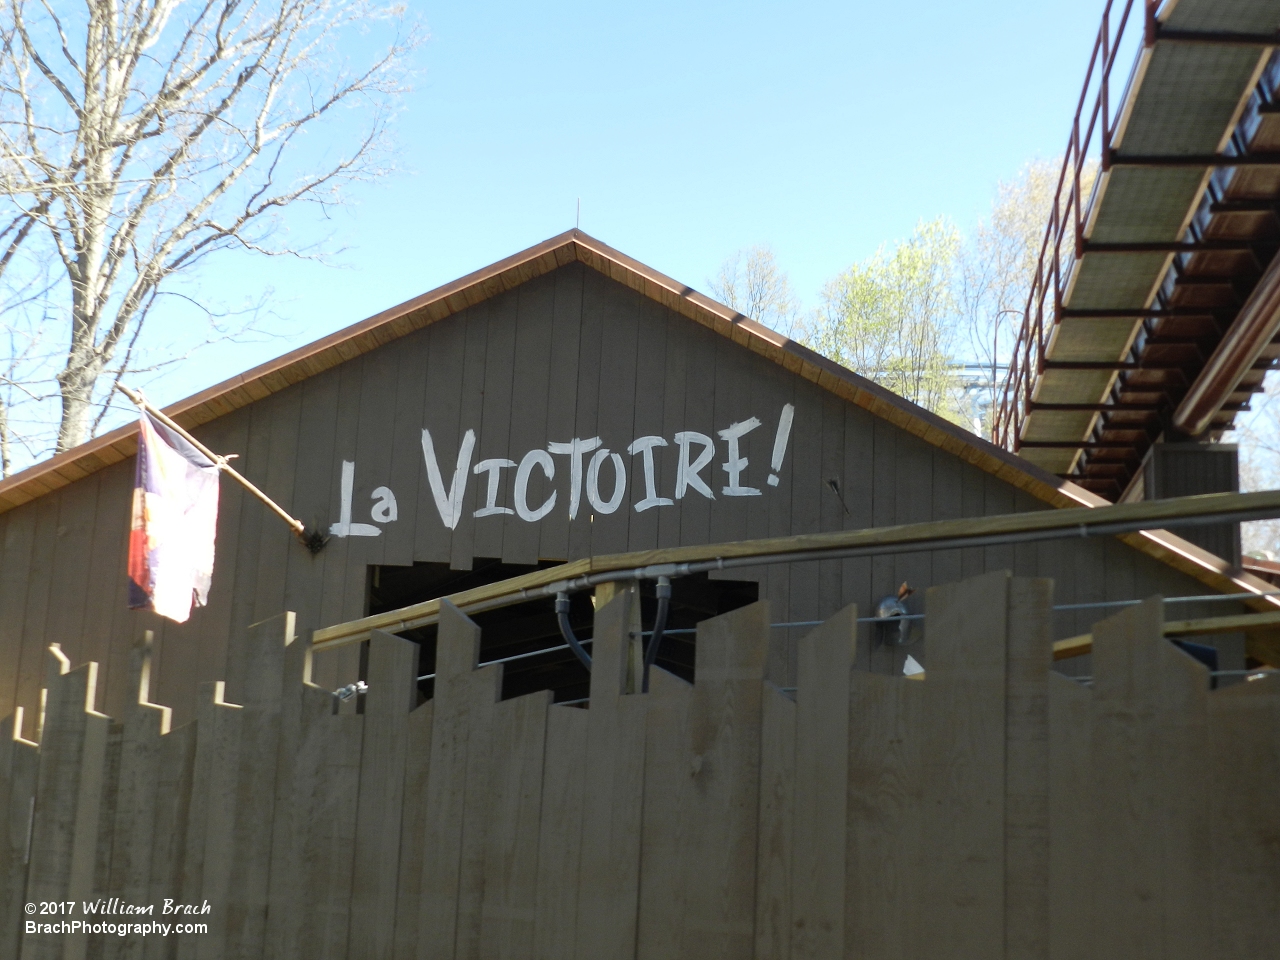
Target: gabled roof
(574, 245)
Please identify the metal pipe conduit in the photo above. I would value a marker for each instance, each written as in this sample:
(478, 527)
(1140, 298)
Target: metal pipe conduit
(909, 538)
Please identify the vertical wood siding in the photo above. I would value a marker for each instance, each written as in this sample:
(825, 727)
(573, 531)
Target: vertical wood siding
(569, 354)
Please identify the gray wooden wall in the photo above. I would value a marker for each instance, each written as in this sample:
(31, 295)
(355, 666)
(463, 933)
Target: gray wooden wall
(570, 354)
(994, 809)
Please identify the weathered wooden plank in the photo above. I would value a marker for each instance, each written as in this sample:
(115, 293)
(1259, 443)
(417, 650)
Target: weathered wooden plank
(461, 732)
(560, 833)
(591, 342)
(305, 723)
(477, 536)
(699, 415)
(534, 323)
(375, 438)
(884, 815)
(947, 489)
(19, 767)
(479, 809)
(329, 790)
(884, 506)
(615, 420)
(963, 770)
(1026, 801)
(562, 397)
(914, 504)
(106, 600)
(1089, 562)
(249, 846)
(997, 499)
(823, 667)
(774, 851)
(441, 413)
(1151, 841)
(64, 831)
(227, 435)
(19, 536)
(973, 504)
(722, 816)
(858, 489)
(666, 829)
(804, 588)
(831, 515)
(312, 496)
(413, 829)
(734, 404)
(1244, 753)
(109, 793)
(133, 850)
(277, 541)
(609, 880)
(335, 569)
(392, 679)
(1117, 564)
(775, 580)
(176, 766)
(650, 375)
(773, 389)
(213, 660)
(208, 858)
(406, 446)
(509, 908)
(71, 558)
(498, 379)
(1070, 819)
(33, 663)
(339, 569)
(675, 379)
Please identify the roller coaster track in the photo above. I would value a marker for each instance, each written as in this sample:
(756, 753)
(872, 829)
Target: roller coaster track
(1154, 308)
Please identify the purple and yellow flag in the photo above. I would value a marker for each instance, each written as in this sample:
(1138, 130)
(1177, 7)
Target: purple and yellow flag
(175, 523)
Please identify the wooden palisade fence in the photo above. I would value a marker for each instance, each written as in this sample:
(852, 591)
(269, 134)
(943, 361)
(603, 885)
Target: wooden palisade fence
(994, 810)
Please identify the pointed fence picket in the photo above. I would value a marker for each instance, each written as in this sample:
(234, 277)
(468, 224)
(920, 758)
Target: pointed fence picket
(994, 809)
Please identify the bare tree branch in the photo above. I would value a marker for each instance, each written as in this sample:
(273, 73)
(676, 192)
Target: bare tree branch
(137, 137)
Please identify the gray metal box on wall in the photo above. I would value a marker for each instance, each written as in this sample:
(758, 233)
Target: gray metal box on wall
(1187, 469)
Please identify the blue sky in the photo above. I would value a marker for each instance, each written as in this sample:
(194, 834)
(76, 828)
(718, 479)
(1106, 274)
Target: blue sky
(688, 130)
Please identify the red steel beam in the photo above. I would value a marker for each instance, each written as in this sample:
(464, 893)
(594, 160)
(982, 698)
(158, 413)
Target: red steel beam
(1235, 356)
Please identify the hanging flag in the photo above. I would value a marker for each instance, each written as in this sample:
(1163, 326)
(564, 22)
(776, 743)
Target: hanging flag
(175, 523)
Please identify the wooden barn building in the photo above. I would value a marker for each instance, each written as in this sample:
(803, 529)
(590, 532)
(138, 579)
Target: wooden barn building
(565, 402)
(775, 789)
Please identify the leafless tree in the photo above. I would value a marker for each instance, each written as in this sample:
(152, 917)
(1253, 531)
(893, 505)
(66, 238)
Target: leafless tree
(1258, 435)
(137, 137)
(752, 283)
(997, 264)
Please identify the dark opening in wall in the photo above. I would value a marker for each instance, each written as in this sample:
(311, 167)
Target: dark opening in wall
(527, 637)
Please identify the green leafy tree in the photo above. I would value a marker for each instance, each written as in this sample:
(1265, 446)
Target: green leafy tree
(892, 319)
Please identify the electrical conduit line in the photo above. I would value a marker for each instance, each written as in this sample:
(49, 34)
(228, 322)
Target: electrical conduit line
(911, 538)
(659, 626)
(566, 629)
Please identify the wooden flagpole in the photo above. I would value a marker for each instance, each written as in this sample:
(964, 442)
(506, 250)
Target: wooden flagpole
(221, 462)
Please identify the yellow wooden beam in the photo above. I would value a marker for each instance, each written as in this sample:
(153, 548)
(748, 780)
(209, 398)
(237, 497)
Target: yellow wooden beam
(1207, 626)
(1149, 515)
